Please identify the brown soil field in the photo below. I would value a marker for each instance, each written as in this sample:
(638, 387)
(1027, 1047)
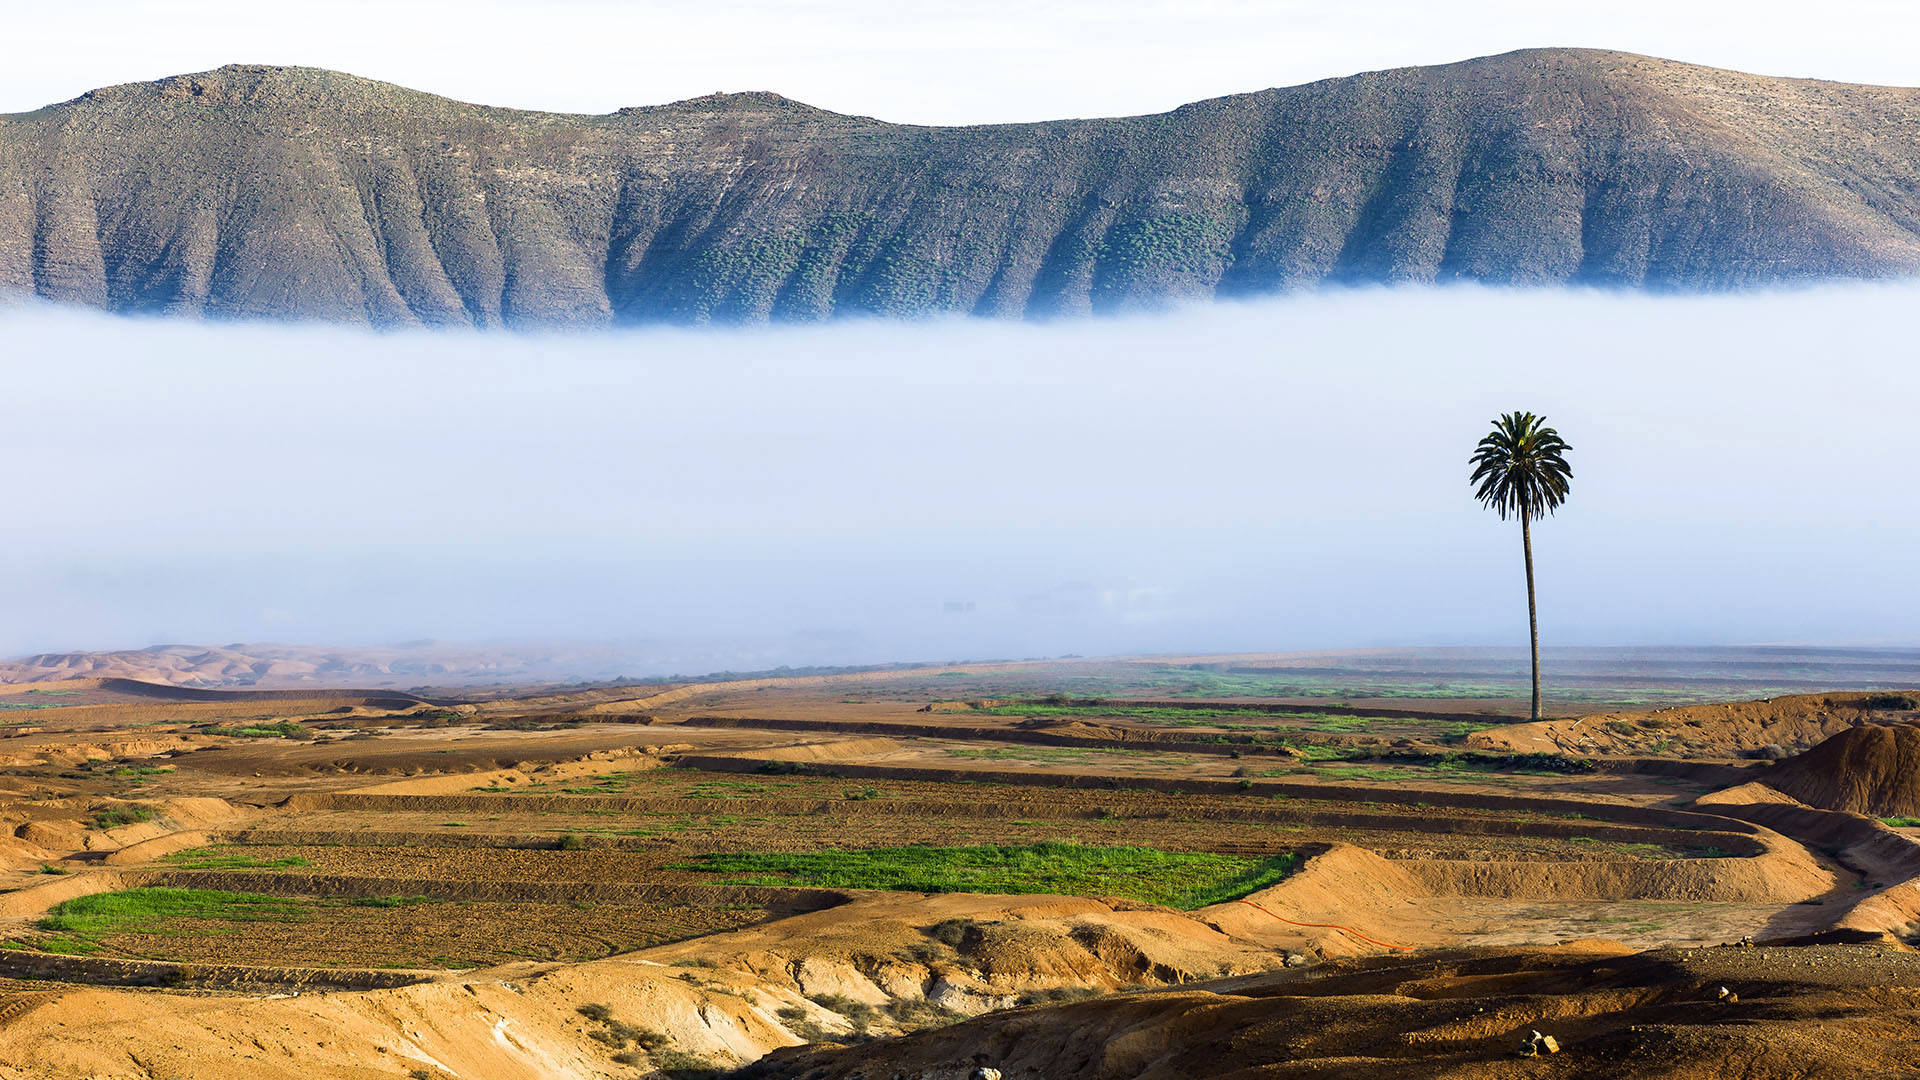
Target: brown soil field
(1203, 822)
(460, 865)
(429, 934)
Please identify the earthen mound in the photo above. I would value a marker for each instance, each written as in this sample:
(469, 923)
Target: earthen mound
(1874, 769)
(1768, 728)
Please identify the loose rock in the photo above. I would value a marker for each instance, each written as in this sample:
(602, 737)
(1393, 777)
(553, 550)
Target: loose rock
(1536, 1044)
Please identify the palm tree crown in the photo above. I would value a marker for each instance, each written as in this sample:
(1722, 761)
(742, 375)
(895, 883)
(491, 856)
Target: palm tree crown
(1520, 468)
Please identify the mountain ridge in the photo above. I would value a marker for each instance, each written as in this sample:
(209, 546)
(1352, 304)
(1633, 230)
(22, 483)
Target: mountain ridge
(260, 191)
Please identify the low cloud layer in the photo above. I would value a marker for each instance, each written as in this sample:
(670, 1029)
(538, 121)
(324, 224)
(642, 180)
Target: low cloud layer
(1282, 474)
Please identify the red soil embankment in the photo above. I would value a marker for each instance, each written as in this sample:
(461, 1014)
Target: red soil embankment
(1343, 902)
(1887, 862)
(1720, 730)
(1873, 769)
(1786, 874)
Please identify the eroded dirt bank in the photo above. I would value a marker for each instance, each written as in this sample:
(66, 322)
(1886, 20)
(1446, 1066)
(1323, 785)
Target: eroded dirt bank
(884, 963)
(1801, 1012)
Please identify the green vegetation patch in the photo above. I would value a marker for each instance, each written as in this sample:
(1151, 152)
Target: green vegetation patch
(228, 857)
(84, 921)
(115, 816)
(1310, 719)
(83, 925)
(140, 774)
(1176, 879)
(285, 729)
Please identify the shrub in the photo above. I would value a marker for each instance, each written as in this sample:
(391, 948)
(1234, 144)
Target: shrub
(858, 1013)
(920, 952)
(1059, 995)
(919, 1014)
(800, 1022)
(618, 1035)
(285, 729)
(115, 816)
(571, 842)
(1893, 701)
(950, 932)
(680, 1065)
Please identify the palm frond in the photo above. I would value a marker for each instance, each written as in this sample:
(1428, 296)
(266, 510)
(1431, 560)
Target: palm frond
(1520, 467)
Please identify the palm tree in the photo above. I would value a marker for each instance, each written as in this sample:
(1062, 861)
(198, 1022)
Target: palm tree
(1520, 470)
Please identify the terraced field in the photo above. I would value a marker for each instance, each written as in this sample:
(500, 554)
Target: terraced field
(408, 932)
(676, 879)
(574, 869)
(370, 847)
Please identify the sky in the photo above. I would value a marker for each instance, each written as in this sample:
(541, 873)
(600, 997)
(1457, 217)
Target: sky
(980, 62)
(1283, 474)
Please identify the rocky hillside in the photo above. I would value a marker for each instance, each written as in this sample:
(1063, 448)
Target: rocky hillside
(284, 667)
(291, 192)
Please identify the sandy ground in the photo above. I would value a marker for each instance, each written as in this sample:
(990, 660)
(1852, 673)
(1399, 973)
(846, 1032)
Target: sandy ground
(546, 869)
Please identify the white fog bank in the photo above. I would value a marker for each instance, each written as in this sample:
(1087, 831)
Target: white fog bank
(1274, 475)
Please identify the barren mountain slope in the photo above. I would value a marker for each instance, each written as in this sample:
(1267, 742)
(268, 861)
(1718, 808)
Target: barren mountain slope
(259, 191)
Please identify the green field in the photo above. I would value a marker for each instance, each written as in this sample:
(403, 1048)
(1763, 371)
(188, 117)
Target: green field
(1183, 880)
(82, 922)
(228, 857)
(81, 925)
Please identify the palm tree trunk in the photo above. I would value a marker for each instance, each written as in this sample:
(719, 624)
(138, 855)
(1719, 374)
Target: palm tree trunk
(1533, 617)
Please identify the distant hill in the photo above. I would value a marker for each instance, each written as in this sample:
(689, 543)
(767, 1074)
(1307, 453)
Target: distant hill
(295, 192)
(408, 665)
(300, 666)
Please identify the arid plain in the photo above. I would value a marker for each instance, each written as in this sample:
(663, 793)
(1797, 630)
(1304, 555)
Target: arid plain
(1163, 867)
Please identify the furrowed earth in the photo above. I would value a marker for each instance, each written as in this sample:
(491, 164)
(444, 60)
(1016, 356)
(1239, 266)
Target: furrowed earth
(1201, 867)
